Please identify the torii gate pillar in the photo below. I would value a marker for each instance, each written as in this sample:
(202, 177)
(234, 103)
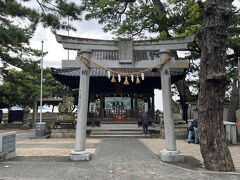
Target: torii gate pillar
(80, 153)
(170, 153)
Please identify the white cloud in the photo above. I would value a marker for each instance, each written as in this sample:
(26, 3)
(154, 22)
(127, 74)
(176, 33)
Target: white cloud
(56, 53)
(236, 3)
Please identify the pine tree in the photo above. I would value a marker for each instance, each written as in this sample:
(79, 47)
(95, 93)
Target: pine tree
(18, 22)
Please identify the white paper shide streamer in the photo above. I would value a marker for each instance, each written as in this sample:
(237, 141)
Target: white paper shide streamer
(142, 76)
(132, 78)
(109, 74)
(119, 78)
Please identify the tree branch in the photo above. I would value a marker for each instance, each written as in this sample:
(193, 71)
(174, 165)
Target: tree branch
(43, 7)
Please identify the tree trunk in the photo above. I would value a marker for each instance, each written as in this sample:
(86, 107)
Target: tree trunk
(213, 81)
(159, 7)
(234, 99)
(180, 87)
(25, 116)
(34, 114)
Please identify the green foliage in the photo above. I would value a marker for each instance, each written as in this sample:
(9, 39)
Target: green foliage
(160, 19)
(18, 22)
(135, 18)
(20, 87)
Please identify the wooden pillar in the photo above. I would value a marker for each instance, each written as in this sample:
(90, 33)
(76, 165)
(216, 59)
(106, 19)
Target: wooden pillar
(136, 107)
(101, 106)
(132, 114)
(132, 102)
(153, 107)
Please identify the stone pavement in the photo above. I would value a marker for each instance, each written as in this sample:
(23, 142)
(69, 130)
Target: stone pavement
(126, 158)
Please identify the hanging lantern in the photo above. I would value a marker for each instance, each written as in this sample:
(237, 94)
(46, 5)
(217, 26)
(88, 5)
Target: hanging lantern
(126, 81)
(142, 76)
(109, 74)
(113, 79)
(132, 78)
(119, 78)
(137, 80)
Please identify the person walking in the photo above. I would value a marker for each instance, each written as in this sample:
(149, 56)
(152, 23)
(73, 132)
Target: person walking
(145, 122)
(1, 115)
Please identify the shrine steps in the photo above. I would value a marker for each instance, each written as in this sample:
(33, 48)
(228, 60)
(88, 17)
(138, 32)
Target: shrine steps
(115, 125)
(118, 130)
(118, 134)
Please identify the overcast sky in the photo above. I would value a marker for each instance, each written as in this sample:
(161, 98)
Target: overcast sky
(85, 29)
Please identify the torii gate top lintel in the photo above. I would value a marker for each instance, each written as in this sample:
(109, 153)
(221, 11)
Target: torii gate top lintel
(76, 43)
(125, 50)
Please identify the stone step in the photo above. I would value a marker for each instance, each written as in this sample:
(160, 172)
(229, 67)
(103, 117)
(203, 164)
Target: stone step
(117, 132)
(116, 129)
(119, 136)
(120, 125)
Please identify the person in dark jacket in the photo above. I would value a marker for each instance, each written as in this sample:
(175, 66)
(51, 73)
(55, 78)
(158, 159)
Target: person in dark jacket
(1, 115)
(193, 127)
(145, 122)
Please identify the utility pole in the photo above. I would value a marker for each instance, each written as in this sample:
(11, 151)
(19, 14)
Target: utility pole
(41, 84)
(41, 126)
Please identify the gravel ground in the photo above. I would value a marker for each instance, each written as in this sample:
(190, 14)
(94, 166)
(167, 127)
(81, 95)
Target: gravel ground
(52, 147)
(191, 150)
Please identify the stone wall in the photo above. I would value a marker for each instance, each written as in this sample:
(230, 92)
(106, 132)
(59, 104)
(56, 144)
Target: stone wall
(193, 114)
(181, 131)
(45, 117)
(8, 145)
(62, 133)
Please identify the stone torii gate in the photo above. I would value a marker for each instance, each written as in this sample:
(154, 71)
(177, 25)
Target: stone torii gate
(125, 49)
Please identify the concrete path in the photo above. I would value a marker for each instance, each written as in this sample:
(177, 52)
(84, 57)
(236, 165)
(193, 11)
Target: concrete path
(126, 158)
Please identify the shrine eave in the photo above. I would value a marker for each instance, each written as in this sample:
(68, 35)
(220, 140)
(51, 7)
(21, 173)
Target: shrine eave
(99, 83)
(97, 72)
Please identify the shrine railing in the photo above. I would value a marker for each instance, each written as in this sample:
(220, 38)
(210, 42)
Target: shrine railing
(128, 113)
(109, 113)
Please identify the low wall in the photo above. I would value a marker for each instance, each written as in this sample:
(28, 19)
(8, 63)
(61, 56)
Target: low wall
(63, 133)
(8, 145)
(45, 116)
(181, 131)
